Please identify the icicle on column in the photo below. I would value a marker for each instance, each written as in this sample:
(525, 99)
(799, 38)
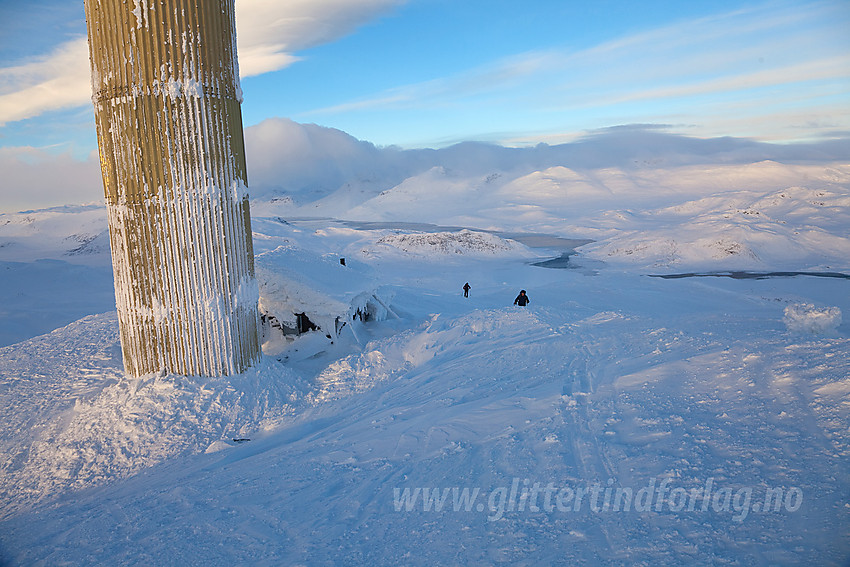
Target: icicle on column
(169, 125)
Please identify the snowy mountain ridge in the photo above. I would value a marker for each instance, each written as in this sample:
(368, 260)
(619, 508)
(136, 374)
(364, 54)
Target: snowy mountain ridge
(306, 162)
(765, 215)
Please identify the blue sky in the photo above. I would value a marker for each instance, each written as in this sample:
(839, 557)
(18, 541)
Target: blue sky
(428, 73)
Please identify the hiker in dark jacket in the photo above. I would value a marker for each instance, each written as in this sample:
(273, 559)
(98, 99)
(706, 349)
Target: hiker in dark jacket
(521, 299)
(466, 288)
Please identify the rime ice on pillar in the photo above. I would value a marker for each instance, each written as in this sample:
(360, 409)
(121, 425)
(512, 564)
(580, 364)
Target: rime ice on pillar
(166, 97)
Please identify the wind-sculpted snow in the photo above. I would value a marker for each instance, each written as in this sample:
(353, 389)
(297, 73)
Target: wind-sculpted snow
(292, 280)
(79, 422)
(807, 318)
(406, 353)
(331, 295)
(674, 385)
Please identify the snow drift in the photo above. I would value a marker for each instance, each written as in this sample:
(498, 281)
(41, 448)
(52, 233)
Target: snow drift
(805, 317)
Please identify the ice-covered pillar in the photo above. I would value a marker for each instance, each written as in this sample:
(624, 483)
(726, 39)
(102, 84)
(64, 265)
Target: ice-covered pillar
(169, 125)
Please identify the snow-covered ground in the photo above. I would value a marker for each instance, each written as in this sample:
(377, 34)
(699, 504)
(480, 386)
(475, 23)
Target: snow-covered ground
(619, 418)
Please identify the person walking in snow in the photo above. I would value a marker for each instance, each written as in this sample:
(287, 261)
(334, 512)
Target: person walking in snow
(521, 299)
(466, 288)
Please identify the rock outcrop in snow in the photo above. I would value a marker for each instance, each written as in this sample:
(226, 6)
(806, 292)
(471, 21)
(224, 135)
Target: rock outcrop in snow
(437, 245)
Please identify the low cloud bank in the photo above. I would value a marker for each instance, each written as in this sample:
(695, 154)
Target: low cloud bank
(307, 162)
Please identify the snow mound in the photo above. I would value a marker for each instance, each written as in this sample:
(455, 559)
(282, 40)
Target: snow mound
(81, 422)
(806, 318)
(293, 280)
(137, 423)
(465, 242)
(439, 339)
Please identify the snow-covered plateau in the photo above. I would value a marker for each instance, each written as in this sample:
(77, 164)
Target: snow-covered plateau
(676, 392)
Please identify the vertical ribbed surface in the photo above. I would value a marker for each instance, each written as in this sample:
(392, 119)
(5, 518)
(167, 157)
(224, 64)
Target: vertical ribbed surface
(166, 97)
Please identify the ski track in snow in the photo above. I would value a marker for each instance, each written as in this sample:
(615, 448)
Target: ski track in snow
(564, 392)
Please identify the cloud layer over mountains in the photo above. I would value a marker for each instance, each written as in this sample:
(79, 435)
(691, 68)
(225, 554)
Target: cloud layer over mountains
(307, 161)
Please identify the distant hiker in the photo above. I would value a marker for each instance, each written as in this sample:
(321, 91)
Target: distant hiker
(466, 288)
(521, 299)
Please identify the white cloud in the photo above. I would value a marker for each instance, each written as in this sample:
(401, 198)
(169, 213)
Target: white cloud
(58, 80)
(832, 68)
(35, 178)
(269, 33)
(507, 73)
(705, 55)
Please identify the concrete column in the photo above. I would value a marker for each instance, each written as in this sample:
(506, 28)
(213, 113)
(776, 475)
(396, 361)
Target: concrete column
(165, 87)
